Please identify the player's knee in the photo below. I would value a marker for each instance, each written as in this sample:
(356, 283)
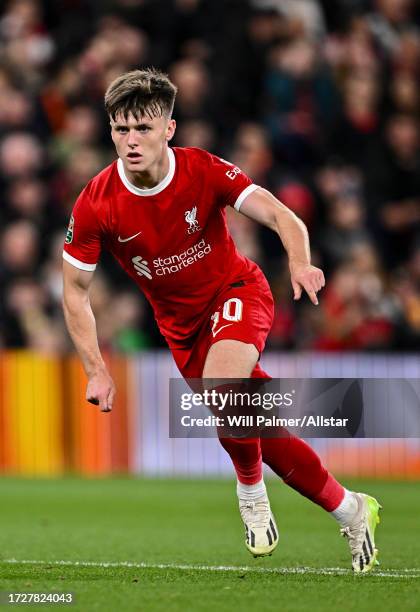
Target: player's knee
(304, 456)
(230, 359)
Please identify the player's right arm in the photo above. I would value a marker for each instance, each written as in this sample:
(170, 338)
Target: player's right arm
(82, 329)
(81, 253)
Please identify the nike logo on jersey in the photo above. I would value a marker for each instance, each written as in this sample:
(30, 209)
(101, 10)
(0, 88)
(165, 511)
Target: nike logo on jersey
(220, 329)
(127, 239)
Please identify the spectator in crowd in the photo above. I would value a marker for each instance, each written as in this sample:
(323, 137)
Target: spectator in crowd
(394, 188)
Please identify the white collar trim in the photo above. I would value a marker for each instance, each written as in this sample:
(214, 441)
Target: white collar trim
(153, 190)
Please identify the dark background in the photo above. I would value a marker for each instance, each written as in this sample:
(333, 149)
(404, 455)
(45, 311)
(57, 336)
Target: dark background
(316, 101)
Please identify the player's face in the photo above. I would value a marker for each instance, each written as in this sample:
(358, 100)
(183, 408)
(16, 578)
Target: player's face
(141, 143)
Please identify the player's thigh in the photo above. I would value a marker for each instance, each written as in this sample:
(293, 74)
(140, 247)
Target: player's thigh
(240, 323)
(230, 359)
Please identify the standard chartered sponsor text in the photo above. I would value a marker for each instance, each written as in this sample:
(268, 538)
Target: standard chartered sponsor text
(175, 263)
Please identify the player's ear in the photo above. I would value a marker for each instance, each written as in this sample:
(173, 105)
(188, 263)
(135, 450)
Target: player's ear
(170, 130)
(112, 131)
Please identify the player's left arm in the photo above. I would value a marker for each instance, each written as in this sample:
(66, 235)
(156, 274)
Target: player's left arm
(263, 207)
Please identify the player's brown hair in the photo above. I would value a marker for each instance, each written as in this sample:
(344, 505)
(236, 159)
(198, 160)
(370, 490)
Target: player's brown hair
(140, 92)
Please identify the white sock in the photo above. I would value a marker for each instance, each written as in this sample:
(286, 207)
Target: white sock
(251, 492)
(347, 510)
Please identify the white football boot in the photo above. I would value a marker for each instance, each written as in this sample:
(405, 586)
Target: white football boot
(361, 534)
(261, 535)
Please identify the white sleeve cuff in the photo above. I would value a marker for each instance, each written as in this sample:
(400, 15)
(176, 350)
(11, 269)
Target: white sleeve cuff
(243, 195)
(78, 264)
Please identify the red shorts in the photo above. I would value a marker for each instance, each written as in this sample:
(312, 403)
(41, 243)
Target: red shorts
(242, 312)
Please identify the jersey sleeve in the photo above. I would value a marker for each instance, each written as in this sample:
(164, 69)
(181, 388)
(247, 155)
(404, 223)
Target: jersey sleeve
(232, 185)
(82, 246)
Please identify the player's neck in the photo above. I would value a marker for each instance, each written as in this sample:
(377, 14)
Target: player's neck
(153, 175)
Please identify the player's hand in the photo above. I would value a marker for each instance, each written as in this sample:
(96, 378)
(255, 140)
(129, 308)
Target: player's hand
(101, 390)
(307, 277)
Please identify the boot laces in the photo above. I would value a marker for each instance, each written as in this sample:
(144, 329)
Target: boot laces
(355, 535)
(256, 513)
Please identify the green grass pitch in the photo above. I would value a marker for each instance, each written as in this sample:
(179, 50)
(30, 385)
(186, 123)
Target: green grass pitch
(184, 539)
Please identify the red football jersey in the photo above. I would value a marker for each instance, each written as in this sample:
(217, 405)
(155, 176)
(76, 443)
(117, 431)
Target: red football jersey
(171, 239)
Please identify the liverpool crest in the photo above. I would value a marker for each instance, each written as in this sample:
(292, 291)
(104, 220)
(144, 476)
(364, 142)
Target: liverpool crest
(190, 218)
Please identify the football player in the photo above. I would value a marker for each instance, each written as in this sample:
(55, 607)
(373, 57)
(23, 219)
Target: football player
(160, 211)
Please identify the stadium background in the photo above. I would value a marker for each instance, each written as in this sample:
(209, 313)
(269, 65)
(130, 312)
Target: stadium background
(316, 101)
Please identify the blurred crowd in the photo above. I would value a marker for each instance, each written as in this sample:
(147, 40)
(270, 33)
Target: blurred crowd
(317, 101)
